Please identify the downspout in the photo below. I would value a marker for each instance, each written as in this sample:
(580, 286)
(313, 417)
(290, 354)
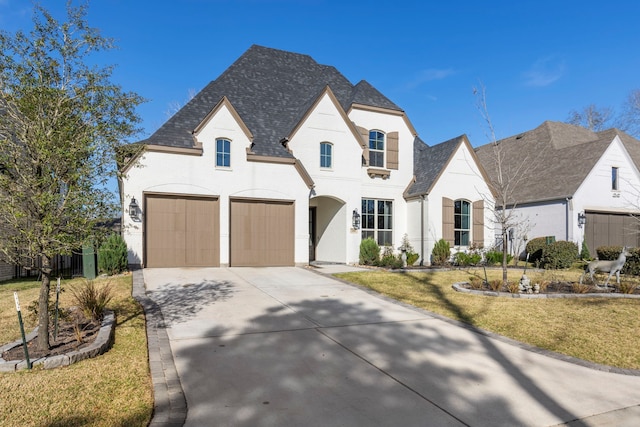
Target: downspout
(422, 199)
(567, 217)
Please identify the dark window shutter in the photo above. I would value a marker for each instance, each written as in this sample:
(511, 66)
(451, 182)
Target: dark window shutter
(447, 220)
(392, 150)
(478, 223)
(364, 134)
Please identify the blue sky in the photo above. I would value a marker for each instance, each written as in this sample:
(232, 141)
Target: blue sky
(538, 60)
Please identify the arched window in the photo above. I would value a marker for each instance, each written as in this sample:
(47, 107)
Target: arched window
(376, 149)
(461, 222)
(223, 153)
(326, 155)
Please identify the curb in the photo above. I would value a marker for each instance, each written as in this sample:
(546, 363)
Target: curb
(170, 404)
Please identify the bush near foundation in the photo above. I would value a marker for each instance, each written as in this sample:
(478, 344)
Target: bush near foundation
(440, 253)
(535, 247)
(369, 252)
(560, 254)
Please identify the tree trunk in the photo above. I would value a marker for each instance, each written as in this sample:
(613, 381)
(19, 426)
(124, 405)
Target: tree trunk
(504, 257)
(43, 305)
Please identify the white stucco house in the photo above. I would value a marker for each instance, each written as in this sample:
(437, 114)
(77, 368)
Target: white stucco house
(281, 161)
(573, 184)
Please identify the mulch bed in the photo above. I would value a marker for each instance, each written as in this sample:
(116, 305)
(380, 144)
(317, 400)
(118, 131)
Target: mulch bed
(75, 331)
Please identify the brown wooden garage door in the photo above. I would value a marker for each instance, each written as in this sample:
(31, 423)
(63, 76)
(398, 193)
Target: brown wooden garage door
(608, 229)
(262, 233)
(182, 231)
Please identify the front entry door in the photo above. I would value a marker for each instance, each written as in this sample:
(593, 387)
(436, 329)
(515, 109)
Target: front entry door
(312, 234)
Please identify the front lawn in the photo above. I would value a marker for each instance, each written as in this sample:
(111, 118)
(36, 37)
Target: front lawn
(113, 389)
(599, 330)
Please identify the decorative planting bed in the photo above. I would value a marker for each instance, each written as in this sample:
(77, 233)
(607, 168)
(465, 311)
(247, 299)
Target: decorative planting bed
(92, 345)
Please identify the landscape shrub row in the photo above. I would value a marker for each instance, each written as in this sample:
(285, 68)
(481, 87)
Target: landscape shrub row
(555, 255)
(370, 254)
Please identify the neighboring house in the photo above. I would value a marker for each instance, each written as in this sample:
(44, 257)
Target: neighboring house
(281, 161)
(567, 175)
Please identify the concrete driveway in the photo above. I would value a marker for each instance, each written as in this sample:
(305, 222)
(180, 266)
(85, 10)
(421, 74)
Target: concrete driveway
(290, 347)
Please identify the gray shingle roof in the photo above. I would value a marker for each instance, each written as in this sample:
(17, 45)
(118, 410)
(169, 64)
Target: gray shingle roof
(428, 163)
(550, 161)
(271, 90)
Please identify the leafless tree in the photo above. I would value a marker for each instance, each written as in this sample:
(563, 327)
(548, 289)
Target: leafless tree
(505, 177)
(592, 117)
(597, 118)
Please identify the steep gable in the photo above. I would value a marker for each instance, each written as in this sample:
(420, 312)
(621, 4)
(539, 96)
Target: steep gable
(271, 90)
(429, 162)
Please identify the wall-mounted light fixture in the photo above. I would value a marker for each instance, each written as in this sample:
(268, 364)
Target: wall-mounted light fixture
(582, 219)
(134, 210)
(355, 219)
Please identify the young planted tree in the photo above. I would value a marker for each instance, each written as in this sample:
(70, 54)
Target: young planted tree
(61, 118)
(506, 173)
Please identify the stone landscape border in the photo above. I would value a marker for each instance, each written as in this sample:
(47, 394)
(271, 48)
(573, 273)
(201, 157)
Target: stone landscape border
(101, 344)
(460, 288)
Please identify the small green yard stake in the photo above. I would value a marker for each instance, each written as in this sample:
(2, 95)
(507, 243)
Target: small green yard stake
(55, 329)
(24, 338)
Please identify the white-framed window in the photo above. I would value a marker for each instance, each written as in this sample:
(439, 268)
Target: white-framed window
(377, 221)
(615, 179)
(461, 222)
(326, 155)
(223, 153)
(376, 148)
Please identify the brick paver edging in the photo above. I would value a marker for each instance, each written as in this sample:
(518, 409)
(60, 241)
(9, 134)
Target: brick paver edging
(101, 344)
(170, 404)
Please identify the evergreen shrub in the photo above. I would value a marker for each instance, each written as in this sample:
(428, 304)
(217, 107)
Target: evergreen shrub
(440, 253)
(369, 252)
(112, 255)
(559, 254)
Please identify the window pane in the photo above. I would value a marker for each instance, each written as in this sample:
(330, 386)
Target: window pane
(464, 238)
(385, 238)
(614, 178)
(367, 206)
(367, 233)
(376, 159)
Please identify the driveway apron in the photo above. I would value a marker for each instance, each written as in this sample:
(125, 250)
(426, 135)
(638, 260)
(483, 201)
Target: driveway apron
(289, 347)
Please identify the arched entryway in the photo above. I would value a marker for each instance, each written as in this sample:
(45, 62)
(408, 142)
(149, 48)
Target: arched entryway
(328, 230)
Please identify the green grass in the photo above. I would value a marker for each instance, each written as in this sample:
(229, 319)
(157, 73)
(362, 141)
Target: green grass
(113, 389)
(595, 329)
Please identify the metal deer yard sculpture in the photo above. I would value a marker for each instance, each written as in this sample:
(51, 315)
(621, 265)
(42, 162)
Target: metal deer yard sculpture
(610, 267)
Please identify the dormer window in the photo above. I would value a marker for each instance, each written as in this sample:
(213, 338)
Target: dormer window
(376, 149)
(614, 179)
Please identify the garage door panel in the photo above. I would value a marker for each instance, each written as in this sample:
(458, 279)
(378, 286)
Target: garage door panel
(182, 231)
(610, 229)
(262, 233)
